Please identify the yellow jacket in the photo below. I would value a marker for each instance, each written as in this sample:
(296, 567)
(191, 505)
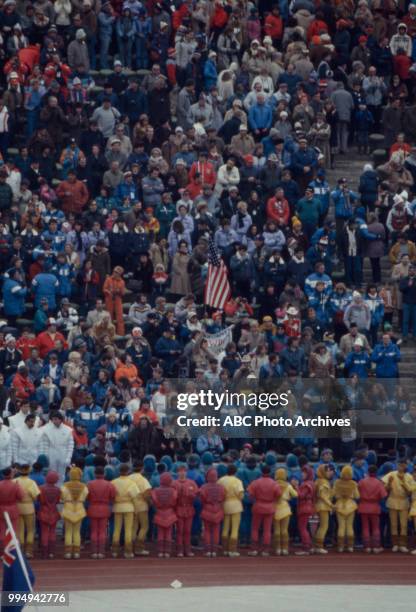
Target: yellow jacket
(399, 490)
(323, 495)
(127, 491)
(234, 492)
(283, 508)
(139, 502)
(73, 496)
(30, 493)
(345, 499)
(413, 500)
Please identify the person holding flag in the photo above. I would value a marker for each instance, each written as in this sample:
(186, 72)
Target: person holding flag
(217, 286)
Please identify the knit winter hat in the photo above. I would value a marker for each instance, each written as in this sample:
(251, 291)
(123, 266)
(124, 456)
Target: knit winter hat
(75, 473)
(52, 477)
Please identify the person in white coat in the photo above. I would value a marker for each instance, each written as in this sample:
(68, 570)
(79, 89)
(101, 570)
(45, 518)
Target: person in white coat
(228, 176)
(57, 443)
(5, 447)
(25, 442)
(18, 419)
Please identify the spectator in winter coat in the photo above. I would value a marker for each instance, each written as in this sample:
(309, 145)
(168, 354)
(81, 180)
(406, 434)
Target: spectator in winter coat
(358, 312)
(358, 361)
(407, 287)
(14, 294)
(386, 356)
(309, 210)
(45, 285)
(368, 187)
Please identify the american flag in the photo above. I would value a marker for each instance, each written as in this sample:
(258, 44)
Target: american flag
(217, 287)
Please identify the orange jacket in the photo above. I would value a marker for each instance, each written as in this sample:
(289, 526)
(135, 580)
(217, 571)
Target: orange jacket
(129, 371)
(73, 196)
(115, 287)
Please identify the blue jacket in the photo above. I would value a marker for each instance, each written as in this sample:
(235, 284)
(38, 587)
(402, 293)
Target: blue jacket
(321, 190)
(368, 187)
(339, 302)
(293, 360)
(319, 302)
(357, 363)
(58, 239)
(344, 203)
(163, 347)
(99, 391)
(313, 279)
(210, 74)
(45, 285)
(260, 117)
(301, 158)
(242, 269)
(386, 359)
(91, 417)
(139, 242)
(45, 371)
(42, 398)
(13, 298)
(106, 23)
(363, 120)
(126, 190)
(376, 307)
(64, 273)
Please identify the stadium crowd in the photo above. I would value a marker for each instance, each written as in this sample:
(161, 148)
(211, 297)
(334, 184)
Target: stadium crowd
(137, 142)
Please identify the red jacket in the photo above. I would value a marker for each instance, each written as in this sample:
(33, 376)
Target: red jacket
(101, 494)
(265, 492)
(46, 343)
(273, 26)
(49, 497)
(306, 498)
(292, 328)
(206, 170)
(212, 496)
(23, 385)
(278, 211)
(316, 28)
(220, 17)
(187, 491)
(164, 499)
(401, 65)
(372, 491)
(25, 345)
(10, 494)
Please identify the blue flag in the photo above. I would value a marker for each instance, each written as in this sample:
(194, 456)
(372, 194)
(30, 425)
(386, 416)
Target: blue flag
(16, 576)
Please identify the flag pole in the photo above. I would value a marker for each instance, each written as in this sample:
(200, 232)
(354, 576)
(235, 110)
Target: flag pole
(18, 550)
